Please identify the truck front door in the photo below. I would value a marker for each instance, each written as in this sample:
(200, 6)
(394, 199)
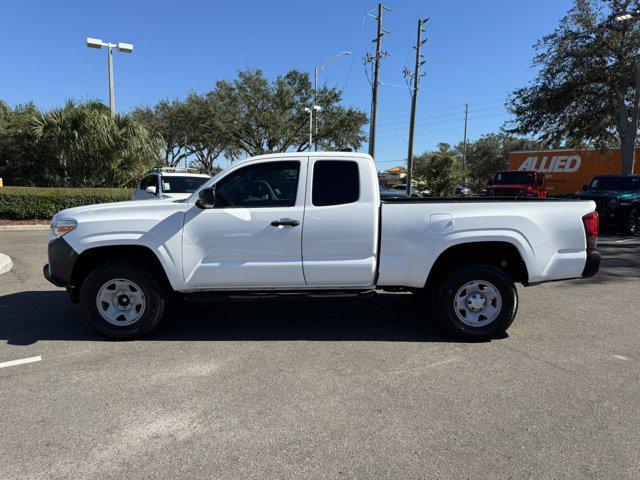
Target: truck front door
(252, 238)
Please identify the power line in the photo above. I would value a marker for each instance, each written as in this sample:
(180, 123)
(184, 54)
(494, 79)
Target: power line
(440, 112)
(434, 122)
(356, 52)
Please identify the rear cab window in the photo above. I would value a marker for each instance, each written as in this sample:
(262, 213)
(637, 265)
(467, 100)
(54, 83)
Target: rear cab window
(181, 184)
(335, 182)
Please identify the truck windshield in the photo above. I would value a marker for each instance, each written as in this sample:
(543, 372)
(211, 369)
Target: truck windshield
(504, 178)
(616, 183)
(181, 184)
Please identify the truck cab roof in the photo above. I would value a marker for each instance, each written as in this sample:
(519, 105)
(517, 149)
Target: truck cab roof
(289, 155)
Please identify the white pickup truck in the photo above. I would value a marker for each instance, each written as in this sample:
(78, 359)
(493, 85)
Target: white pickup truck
(313, 223)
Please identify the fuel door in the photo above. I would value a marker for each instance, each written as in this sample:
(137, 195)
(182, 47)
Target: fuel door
(441, 222)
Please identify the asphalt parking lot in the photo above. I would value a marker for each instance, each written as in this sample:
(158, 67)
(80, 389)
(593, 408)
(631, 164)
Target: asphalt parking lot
(342, 389)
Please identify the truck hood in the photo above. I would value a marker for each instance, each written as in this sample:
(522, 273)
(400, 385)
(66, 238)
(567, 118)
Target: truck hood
(118, 208)
(175, 196)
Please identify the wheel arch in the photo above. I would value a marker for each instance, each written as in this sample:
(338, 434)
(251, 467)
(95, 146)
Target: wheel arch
(500, 254)
(139, 255)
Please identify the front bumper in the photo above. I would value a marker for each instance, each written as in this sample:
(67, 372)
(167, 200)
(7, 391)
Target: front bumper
(592, 264)
(62, 259)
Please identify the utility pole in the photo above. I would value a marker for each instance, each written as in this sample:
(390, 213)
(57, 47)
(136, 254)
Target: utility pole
(414, 100)
(376, 75)
(464, 150)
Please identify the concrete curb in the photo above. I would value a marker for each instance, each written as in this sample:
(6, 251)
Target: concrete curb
(14, 228)
(5, 263)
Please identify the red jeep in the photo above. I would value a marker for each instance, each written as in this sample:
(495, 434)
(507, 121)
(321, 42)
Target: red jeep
(517, 183)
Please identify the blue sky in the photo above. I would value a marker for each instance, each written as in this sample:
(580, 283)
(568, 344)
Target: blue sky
(478, 51)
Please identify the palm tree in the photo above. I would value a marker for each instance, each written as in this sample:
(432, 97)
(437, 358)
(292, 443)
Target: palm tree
(86, 147)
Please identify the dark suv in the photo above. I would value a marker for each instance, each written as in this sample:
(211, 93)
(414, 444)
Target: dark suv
(618, 200)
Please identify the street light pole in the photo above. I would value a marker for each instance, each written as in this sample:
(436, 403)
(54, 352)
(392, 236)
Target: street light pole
(464, 150)
(315, 81)
(123, 48)
(623, 17)
(310, 112)
(112, 102)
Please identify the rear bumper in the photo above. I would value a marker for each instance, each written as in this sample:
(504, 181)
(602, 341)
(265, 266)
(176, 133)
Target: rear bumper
(592, 264)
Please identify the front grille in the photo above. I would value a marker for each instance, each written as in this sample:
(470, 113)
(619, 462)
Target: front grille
(506, 192)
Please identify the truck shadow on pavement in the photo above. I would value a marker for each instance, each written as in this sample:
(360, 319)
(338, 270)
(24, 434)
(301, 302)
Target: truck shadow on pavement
(27, 317)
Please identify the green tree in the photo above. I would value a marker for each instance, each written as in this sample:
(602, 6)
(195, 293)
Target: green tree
(169, 121)
(84, 146)
(206, 138)
(258, 116)
(587, 89)
(440, 170)
(190, 130)
(18, 159)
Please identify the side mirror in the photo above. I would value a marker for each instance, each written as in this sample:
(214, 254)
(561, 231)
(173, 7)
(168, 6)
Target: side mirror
(206, 198)
(152, 190)
(585, 187)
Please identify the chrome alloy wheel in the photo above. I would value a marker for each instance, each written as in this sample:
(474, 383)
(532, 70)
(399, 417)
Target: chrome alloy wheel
(120, 302)
(477, 303)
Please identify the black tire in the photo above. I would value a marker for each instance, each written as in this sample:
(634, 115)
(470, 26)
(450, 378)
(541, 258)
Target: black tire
(154, 297)
(632, 225)
(444, 308)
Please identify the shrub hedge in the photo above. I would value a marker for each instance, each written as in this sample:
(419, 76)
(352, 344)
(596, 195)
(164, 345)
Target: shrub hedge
(30, 203)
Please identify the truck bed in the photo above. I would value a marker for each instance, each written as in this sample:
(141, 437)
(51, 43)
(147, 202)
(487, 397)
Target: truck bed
(474, 199)
(548, 234)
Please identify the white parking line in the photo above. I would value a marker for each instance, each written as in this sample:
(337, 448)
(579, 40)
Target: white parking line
(621, 357)
(629, 240)
(21, 361)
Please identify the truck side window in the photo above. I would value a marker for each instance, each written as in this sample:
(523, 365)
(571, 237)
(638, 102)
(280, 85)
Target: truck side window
(335, 183)
(271, 184)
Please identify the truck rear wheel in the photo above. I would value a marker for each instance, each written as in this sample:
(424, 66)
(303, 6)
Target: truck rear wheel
(476, 302)
(122, 301)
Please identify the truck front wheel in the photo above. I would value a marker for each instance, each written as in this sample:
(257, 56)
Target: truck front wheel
(122, 300)
(476, 302)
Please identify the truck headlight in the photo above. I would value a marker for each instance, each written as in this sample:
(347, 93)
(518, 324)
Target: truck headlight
(62, 226)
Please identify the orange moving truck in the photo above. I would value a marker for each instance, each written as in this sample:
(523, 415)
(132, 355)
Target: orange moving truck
(566, 171)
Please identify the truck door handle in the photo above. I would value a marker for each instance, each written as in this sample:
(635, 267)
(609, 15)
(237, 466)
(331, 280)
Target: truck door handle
(285, 222)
